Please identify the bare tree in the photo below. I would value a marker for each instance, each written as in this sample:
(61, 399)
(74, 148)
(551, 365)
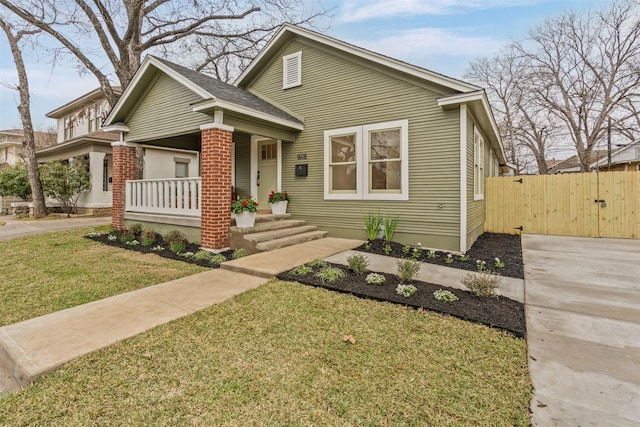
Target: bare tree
(24, 108)
(585, 71)
(120, 31)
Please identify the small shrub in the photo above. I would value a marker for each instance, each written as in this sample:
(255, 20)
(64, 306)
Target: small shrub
(202, 256)
(485, 284)
(375, 279)
(174, 236)
(178, 247)
(372, 224)
(387, 249)
(390, 226)
(157, 248)
(445, 296)
(112, 237)
(186, 254)
(239, 253)
(367, 246)
(498, 263)
(136, 228)
(217, 259)
(127, 237)
(431, 254)
(330, 274)
(318, 263)
(448, 259)
(406, 250)
(407, 269)
(358, 263)
(481, 265)
(133, 242)
(463, 258)
(148, 238)
(301, 270)
(417, 251)
(406, 290)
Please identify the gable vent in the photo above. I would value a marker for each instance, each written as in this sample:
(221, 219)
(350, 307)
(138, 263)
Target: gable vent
(292, 70)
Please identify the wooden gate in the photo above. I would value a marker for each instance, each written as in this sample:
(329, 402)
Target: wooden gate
(604, 204)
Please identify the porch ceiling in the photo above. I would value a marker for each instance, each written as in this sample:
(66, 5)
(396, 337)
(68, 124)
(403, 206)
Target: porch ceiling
(189, 141)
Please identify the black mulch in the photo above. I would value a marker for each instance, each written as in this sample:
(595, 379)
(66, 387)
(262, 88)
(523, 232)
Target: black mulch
(487, 247)
(166, 253)
(497, 312)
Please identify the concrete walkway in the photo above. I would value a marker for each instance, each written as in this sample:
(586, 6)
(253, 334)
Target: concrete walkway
(34, 347)
(15, 228)
(583, 330)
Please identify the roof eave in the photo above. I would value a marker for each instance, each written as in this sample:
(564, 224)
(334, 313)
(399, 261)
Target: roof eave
(217, 104)
(73, 105)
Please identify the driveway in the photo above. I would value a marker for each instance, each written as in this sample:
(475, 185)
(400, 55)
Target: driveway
(582, 300)
(14, 228)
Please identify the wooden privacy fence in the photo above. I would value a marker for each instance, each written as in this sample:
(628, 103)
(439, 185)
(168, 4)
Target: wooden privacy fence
(603, 204)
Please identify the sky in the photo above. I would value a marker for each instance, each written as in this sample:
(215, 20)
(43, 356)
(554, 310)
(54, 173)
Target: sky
(439, 35)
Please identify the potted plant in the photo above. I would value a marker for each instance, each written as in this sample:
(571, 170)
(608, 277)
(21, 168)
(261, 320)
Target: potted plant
(278, 201)
(244, 211)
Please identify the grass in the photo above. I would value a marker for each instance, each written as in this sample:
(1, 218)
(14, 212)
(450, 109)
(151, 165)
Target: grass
(276, 356)
(50, 272)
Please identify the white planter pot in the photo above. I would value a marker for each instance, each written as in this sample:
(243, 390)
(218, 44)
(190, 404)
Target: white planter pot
(279, 208)
(381, 232)
(245, 219)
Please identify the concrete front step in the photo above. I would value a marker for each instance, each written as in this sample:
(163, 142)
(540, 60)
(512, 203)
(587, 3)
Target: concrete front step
(290, 240)
(268, 226)
(264, 236)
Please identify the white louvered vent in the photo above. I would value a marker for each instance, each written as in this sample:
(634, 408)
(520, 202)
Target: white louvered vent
(292, 70)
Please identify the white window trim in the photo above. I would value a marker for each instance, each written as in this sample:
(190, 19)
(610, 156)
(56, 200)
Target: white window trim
(478, 165)
(285, 68)
(362, 158)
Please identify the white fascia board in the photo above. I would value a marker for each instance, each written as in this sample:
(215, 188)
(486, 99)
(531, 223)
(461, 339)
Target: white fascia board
(116, 127)
(360, 52)
(229, 106)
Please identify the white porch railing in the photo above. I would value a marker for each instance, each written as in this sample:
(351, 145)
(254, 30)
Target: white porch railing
(173, 196)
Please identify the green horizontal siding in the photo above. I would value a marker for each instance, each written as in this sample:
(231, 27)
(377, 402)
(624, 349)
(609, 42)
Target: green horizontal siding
(337, 92)
(165, 110)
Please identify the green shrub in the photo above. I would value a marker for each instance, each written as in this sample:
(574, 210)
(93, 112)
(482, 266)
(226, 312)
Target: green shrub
(318, 263)
(445, 296)
(217, 259)
(390, 226)
(372, 224)
(301, 270)
(330, 274)
(203, 256)
(375, 279)
(127, 236)
(148, 238)
(239, 253)
(407, 269)
(358, 263)
(136, 228)
(178, 247)
(174, 236)
(406, 290)
(484, 284)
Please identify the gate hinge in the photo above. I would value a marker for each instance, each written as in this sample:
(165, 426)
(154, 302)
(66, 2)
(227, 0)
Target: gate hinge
(518, 228)
(518, 180)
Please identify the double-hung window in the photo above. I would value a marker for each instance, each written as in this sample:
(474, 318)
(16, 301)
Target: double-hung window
(368, 162)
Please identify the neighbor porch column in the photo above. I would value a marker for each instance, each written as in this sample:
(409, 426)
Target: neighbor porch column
(216, 186)
(124, 168)
(96, 169)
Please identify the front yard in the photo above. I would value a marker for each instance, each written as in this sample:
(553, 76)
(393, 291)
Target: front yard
(276, 355)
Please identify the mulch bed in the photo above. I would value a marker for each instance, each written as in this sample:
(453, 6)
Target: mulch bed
(166, 253)
(487, 247)
(497, 312)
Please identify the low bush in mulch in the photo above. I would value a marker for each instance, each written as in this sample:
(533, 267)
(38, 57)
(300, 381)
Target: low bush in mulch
(160, 247)
(506, 248)
(497, 312)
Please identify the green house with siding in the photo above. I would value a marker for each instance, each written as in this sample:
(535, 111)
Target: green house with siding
(342, 129)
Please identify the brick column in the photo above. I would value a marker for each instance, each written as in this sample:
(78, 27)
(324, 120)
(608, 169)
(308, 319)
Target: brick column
(216, 186)
(124, 168)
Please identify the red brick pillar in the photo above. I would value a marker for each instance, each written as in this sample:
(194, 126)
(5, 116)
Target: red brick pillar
(124, 168)
(216, 186)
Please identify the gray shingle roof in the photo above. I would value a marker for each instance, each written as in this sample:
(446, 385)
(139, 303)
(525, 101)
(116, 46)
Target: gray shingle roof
(226, 92)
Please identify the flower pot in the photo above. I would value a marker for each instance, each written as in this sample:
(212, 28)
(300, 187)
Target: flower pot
(381, 232)
(279, 208)
(245, 219)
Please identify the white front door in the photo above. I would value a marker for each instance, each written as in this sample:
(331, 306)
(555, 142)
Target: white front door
(267, 174)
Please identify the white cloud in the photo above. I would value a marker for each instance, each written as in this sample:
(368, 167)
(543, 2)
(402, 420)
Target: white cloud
(362, 10)
(446, 51)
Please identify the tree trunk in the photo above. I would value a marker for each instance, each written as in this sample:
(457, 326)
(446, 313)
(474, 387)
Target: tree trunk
(24, 108)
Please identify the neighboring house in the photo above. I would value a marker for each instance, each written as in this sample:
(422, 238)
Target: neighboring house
(11, 144)
(80, 134)
(625, 158)
(344, 130)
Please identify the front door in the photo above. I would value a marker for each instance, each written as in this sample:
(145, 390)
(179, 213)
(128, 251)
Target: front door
(267, 178)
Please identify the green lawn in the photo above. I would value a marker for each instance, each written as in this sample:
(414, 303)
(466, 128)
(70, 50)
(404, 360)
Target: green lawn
(50, 272)
(271, 356)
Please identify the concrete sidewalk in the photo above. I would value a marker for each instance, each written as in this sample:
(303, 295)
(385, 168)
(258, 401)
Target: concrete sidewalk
(15, 228)
(583, 330)
(34, 347)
